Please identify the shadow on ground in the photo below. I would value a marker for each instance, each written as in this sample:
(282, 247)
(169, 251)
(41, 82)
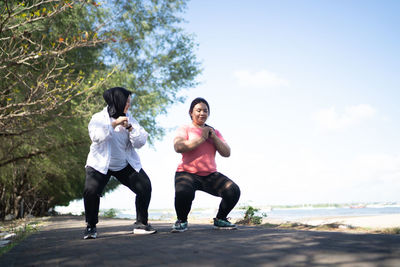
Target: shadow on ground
(61, 244)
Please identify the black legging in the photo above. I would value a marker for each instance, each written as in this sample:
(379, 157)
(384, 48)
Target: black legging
(138, 182)
(215, 184)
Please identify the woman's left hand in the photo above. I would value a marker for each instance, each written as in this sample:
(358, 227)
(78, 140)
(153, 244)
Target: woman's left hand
(211, 133)
(222, 148)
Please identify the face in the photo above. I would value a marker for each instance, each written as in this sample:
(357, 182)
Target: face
(128, 104)
(199, 114)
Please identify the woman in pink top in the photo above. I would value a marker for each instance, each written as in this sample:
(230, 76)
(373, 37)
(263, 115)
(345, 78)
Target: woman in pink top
(198, 144)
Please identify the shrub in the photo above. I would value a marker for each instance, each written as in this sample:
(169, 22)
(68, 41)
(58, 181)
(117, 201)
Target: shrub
(111, 213)
(250, 217)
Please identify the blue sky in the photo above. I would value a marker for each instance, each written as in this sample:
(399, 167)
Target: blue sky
(306, 93)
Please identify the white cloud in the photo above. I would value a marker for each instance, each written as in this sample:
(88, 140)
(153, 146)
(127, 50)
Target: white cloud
(330, 119)
(259, 79)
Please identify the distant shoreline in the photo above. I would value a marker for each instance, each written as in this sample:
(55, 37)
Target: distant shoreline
(370, 215)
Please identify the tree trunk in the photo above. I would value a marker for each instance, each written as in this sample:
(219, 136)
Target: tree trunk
(16, 206)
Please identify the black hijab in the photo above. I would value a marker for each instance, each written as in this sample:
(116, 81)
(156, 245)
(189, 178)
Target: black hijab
(116, 100)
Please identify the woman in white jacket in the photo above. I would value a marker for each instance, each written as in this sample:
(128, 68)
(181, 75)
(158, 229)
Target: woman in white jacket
(115, 135)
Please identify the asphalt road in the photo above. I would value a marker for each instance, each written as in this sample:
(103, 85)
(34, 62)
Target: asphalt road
(60, 243)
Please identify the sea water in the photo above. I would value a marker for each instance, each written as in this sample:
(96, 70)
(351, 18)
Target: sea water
(288, 214)
(293, 214)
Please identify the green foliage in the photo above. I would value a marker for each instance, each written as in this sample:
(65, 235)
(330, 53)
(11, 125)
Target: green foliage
(56, 59)
(153, 54)
(42, 137)
(250, 217)
(111, 213)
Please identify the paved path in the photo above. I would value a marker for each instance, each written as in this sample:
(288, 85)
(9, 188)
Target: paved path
(60, 244)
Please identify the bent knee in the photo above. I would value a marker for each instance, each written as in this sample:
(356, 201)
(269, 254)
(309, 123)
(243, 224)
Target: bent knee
(89, 192)
(184, 193)
(232, 190)
(143, 189)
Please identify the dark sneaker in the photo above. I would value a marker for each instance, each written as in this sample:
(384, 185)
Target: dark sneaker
(90, 233)
(179, 227)
(143, 229)
(223, 224)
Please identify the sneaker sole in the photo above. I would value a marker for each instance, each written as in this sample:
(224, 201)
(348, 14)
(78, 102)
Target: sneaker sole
(225, 228)
(90, 237)
(178, 231)
(143, 232)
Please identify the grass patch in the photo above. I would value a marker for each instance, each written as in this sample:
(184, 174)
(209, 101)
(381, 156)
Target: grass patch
(337, 227)
(270, 225)
(391, 231)
(322, 227)
(21, 228)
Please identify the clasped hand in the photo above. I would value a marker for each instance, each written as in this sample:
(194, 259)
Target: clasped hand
(208, 132)
(123, 121)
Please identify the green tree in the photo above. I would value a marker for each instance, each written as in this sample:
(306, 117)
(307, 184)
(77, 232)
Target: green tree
(153, 54)
(56, 59)
(42, 81)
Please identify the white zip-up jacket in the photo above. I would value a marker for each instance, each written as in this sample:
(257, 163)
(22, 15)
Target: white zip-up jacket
(101, 132)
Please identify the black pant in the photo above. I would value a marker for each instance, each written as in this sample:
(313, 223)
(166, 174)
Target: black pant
(138, 182)
(215, 184)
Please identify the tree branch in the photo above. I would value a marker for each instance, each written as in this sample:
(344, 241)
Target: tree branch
(41, 152)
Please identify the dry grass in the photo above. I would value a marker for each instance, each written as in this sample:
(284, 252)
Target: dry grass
(336, 227)
(22, 228)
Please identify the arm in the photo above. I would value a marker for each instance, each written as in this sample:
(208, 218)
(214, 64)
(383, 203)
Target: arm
(182, 145)
(99, 129)
(137, 134)
(222, 147)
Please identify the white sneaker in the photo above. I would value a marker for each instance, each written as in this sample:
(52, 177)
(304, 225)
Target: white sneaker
(90, 233)
(143, 229)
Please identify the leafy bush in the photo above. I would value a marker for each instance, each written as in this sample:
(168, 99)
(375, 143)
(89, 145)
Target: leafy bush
(250, 217)
(111, 213)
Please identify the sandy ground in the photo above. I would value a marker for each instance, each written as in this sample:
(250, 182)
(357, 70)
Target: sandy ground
(371, 221)
(374, 222)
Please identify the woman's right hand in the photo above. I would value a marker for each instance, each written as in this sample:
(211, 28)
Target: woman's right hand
(122, 120)
(182, 145)
(205, 133)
